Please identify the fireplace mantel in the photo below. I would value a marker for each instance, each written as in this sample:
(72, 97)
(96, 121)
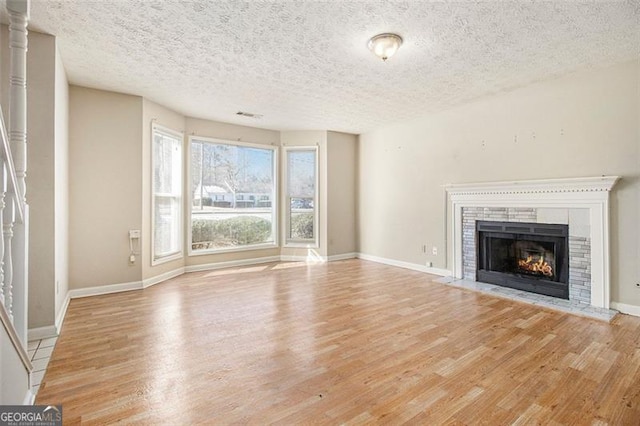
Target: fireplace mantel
(590, 193)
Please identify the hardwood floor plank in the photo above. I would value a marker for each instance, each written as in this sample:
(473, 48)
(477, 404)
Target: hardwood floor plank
(347, 342)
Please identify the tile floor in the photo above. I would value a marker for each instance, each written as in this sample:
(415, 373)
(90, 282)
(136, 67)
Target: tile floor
(40, 354)
(532, 298)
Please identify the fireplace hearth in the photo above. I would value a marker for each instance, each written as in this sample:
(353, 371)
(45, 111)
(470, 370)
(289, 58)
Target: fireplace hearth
(527, 256)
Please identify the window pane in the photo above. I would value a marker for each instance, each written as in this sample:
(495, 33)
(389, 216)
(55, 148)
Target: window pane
(302, 173)
(167, 194)
(301, 188)
(301, 218)
(233, 188)
(166, 228)
(167, 171)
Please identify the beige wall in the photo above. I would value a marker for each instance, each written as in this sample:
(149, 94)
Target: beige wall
(214, 129)
(154, 113)
(99, 255)
(585, 124)
(61, 196)
(342, 194)
(41, 122)
(105, 186)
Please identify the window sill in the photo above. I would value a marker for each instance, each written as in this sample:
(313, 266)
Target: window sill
(232, 249)
(167, 258)
(300, 244)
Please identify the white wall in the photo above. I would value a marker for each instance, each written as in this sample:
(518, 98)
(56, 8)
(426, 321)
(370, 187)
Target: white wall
(105, 186)
(61, 172)
(584, 124)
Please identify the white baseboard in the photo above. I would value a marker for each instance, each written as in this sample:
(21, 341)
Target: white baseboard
(62, 313)
(231, 263)
(104, 289)
(38, 333)
(318, 259)
(406, 265)
(307, 259)
(343, 256)
(438, 271)
(626, 309)
(29, 397)
(162, 277)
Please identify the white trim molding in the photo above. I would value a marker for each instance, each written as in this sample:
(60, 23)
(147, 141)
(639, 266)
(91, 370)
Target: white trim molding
(62, 313)
(230, 264)
(104, 289)
(29, 396)
(590, 193)
(405, 265)
(342, 256)
(148, 282)
(626, 309)
(38, 333)
(309, 258)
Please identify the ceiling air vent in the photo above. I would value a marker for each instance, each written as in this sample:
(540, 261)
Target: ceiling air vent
(249, 114)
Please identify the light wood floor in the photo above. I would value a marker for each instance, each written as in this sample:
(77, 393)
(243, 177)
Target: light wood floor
(345, 342)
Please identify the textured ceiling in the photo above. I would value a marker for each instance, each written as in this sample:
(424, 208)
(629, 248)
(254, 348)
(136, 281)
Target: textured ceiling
(305, 65)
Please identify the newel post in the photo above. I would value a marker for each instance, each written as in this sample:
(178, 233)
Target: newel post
(3, 193)
(18, 19)
(16, 235)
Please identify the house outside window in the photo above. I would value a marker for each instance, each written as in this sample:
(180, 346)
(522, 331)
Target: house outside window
(225, 179)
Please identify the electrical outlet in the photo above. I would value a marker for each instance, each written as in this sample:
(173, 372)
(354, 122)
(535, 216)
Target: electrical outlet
(434, 251)
(429, 264)
(134, 233)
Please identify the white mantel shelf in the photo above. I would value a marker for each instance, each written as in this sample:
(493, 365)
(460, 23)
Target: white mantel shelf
(589, 184)
(590, 193)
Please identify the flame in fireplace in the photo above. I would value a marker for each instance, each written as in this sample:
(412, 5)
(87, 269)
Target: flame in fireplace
(537, 266)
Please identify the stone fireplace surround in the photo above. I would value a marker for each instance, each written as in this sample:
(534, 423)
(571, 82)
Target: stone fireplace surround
(579, 241)
(582, 203)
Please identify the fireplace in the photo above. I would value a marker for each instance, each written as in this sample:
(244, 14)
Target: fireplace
(527, 256)
(586, 201)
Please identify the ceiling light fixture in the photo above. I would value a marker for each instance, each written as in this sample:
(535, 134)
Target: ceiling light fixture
(385, 45)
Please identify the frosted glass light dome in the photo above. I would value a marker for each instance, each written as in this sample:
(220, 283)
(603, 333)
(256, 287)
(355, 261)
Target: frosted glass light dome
(385, 45)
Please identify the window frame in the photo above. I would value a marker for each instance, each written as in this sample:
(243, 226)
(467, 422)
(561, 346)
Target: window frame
(275, 204)
(157, 260)
(298, 243)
